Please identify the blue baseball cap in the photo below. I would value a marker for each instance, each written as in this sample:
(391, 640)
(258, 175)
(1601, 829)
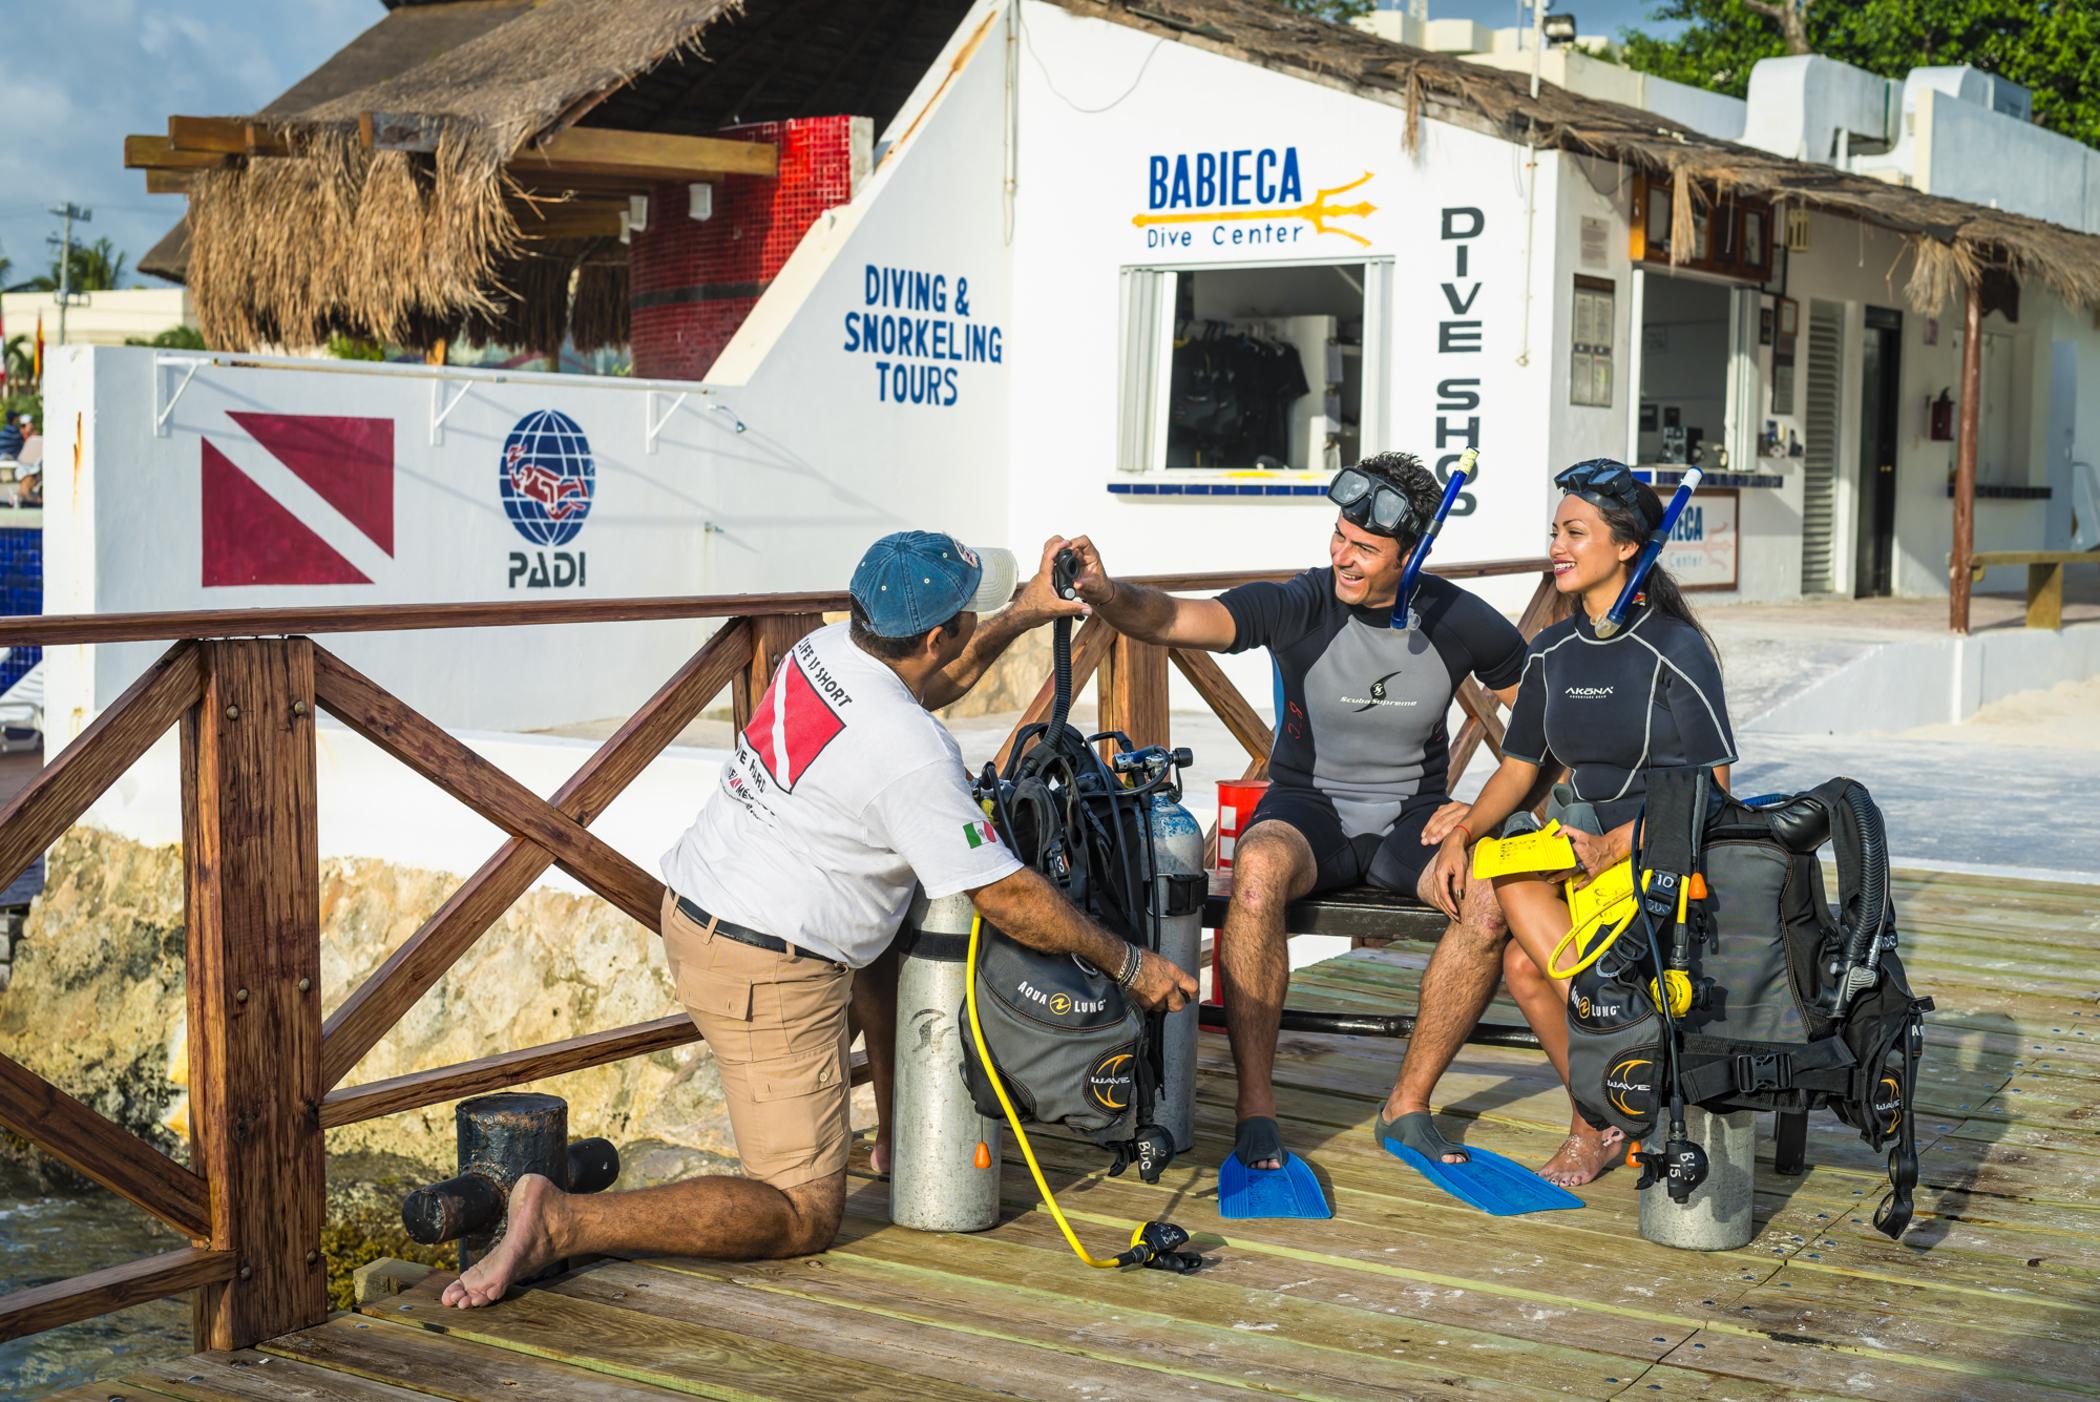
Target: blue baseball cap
(912, 582)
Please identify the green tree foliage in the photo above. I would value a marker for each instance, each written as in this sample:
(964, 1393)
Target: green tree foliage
(174, 338)
(2045, 45)
(1339, 11)
(351, 348)
(97, 267)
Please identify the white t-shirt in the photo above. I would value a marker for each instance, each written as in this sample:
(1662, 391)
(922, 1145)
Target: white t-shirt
(843, 789)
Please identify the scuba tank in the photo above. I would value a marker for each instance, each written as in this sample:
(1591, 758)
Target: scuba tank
(1051, 1039)
(1730, 983)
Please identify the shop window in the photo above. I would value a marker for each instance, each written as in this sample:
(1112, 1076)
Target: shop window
(1251, 368)
(1730, 236)
(1589, 369)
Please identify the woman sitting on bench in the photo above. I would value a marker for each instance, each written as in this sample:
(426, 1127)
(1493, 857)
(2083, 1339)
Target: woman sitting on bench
(1608, 709)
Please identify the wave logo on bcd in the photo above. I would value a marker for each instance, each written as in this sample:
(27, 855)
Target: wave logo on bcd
(546, 480)
(1110, 1080)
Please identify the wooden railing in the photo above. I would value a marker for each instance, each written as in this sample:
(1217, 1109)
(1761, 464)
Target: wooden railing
(266, 1069)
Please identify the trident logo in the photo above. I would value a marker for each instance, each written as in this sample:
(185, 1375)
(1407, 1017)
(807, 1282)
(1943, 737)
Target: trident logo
(1315, 211)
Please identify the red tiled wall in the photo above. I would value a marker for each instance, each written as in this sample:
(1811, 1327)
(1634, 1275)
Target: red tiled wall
(694, 281)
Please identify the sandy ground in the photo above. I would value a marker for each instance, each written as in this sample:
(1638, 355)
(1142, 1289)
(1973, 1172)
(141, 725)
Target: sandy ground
(2065, 716)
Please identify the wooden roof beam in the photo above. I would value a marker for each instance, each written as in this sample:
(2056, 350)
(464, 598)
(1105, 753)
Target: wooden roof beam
(225, 136)
(568, 219)
(158, 153)
(644, 155)
(168, 182)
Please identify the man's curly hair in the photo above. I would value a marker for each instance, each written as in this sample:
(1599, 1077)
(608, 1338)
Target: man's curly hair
(1416, 482)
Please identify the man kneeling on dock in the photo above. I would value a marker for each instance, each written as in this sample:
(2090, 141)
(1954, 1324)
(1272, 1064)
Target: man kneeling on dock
(784, 897)
(1357, 774)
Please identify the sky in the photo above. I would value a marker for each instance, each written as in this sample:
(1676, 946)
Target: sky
(80, 75)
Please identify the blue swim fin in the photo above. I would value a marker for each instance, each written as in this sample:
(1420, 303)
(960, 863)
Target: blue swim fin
(1289, 1191)
(1498, 1186)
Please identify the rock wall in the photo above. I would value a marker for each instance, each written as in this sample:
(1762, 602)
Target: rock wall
(96, 1005)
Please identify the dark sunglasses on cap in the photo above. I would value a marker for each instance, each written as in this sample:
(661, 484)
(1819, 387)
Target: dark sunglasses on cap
(1373, 504)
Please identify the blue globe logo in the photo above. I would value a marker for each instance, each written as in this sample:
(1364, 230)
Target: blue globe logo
(546, 478)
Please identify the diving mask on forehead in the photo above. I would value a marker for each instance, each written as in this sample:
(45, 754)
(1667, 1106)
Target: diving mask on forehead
(1373, 504)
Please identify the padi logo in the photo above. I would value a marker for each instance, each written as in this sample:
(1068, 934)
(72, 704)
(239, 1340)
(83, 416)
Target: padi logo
(546, 479)
(1630, 1084)
(1109, 1081)
(1586, 693)
(1060, 1004)
(1377, 697)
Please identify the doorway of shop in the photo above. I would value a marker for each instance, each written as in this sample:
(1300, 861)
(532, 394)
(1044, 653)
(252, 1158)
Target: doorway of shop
(1880, 354)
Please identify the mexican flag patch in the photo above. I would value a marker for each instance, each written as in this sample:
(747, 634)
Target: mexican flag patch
(980, 834)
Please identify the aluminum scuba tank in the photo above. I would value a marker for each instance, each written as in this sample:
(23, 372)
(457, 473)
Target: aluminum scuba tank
(944, 1156)
(1178, 887)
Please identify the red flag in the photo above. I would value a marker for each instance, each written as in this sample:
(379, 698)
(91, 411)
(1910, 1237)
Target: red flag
(792, 726)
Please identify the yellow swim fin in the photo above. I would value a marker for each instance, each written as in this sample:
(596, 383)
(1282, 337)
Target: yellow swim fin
(1547, 849)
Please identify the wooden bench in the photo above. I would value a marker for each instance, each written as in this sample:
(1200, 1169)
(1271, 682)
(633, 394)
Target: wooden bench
(1366, 915)
(2045, 578)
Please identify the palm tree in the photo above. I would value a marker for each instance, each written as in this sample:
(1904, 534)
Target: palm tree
(20, 361)
(97, 267)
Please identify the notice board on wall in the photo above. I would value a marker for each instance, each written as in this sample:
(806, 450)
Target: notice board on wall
(1703, 545)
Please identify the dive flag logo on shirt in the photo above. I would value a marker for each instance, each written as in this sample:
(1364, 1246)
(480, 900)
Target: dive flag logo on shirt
(792, 726)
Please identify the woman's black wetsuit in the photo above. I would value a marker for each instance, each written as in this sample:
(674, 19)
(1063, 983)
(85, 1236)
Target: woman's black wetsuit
(1650, 697)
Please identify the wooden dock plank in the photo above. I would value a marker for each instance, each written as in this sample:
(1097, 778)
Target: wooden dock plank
(445, 1365)
(250, 1376)
(792, 1300)
(682, 1355)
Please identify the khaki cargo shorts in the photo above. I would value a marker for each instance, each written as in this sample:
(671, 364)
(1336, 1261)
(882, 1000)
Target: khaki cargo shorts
(778, 1029)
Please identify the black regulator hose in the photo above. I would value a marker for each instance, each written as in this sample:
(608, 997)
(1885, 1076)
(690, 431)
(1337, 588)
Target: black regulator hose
(1872, 913)
(1062, 571)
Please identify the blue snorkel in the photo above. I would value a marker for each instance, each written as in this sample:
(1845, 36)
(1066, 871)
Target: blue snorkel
(1615, 620)
(1459, 474)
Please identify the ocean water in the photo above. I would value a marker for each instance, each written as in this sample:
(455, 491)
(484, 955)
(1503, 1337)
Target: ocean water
(47, 1238)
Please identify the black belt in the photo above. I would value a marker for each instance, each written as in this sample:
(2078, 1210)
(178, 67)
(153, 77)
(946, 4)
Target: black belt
(742, 934)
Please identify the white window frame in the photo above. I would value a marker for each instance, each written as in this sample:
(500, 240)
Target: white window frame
(1145, 365)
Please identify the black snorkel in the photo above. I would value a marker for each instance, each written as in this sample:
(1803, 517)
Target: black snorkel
(1402, 618)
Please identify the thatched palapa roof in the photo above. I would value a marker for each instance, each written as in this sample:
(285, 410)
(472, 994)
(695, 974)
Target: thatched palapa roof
(392, 206)
(1951, 241)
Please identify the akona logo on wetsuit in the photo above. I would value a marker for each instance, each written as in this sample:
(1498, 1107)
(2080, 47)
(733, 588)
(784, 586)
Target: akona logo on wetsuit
(1586, 693)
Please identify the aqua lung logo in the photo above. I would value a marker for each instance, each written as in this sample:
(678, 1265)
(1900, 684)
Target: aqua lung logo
(1060, 1004)
(1630, 1084)
(1110, 1080)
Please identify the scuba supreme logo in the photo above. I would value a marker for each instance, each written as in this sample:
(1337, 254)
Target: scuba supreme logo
(1630, 1084)
(1587, 693)
(1377, 697)
(1110, 1080)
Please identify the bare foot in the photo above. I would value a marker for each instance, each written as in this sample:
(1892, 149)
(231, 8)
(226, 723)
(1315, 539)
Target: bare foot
(526, 1247)
(879, 1156)
(1583, 1157)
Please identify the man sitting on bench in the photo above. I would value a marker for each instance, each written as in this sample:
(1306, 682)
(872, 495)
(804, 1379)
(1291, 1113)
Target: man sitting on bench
(1357, 770)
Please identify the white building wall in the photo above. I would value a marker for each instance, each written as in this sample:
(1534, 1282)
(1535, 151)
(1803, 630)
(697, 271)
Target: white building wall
(99, 318)
(1098, 102)
(1968, 152)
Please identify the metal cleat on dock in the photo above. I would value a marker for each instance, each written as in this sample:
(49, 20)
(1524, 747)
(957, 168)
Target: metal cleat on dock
(502, 1138)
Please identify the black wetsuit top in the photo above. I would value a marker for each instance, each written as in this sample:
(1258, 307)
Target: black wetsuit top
(1650, 697)
(1362, 704)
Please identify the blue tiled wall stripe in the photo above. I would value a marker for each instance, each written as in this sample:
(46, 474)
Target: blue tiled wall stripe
(1217, 489)
(21, 592)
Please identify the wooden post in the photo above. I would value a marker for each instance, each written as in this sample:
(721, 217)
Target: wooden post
(252, 899)
(1958, 580)
(2045, 595)
(1134, 692)
(772, 637)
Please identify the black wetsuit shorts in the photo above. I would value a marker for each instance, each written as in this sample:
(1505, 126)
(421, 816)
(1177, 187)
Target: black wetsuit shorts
(1394, 859)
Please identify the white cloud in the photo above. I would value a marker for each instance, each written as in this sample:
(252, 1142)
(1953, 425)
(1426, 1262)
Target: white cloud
(79, 75)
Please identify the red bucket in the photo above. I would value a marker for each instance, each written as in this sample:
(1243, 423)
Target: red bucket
(1237, 799)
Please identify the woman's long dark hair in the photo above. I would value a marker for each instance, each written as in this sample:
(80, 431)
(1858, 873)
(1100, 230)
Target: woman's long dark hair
(1630, 527)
